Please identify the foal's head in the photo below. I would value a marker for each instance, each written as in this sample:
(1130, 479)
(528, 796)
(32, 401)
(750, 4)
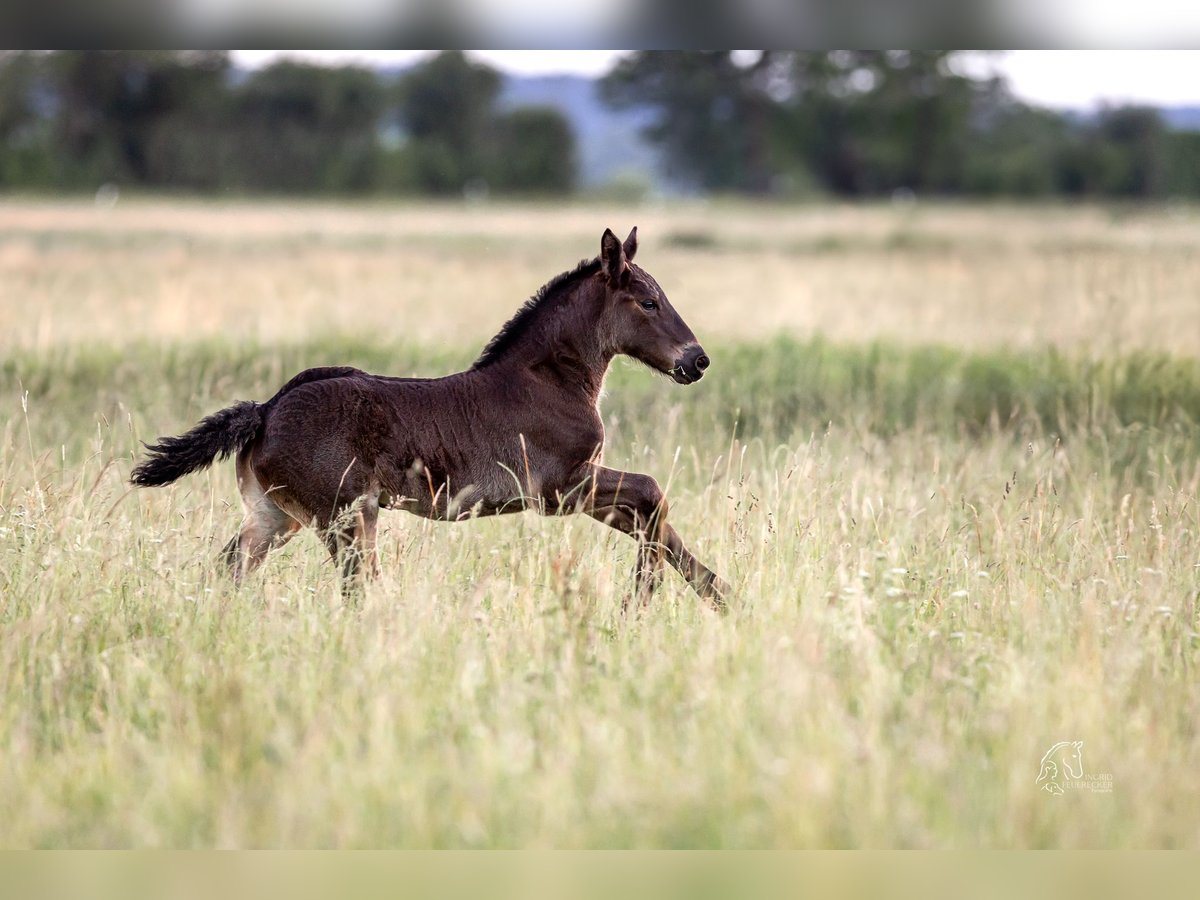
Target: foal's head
(639, 319)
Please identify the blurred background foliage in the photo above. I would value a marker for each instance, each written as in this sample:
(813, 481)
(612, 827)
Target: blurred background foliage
(774, 123)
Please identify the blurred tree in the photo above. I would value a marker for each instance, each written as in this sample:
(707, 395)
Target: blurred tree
(1015, 151)
(714, 111)
(910, 115)
(18, 78)
(110, 102)
(534, 152)
(298, 127)
(445, 107)
(23, 157)
(1182, 177)
(1136, 140)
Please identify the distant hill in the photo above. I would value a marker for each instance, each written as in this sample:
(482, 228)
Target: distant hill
(1176, 118)
(1181, 118)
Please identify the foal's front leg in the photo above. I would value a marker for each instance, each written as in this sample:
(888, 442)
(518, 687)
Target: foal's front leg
(635, 505)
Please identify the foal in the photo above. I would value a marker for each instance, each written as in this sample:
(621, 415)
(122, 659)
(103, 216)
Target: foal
(520, 429)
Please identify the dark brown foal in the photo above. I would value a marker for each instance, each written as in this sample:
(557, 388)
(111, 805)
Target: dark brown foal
(520, 429)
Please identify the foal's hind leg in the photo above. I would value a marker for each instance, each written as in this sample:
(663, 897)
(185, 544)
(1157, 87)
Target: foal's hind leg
(264, 526)
(351, 541)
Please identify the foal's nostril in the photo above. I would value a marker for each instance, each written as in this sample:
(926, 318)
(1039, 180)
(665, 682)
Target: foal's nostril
(701, 363)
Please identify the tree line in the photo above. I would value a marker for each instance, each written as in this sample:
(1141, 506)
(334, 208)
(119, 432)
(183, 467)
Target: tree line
(872, 122)
(188, 120)
(846, 123)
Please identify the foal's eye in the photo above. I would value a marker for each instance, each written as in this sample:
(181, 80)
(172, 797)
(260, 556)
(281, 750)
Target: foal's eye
(649, 305)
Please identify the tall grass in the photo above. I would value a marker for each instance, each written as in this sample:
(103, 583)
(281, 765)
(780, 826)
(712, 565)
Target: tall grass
(961, 526)
(944, 563)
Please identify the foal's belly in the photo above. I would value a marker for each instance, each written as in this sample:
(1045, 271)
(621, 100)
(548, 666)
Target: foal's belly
(432, 494)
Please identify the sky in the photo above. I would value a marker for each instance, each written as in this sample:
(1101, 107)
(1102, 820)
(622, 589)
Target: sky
(1055, 78)
(526, 62)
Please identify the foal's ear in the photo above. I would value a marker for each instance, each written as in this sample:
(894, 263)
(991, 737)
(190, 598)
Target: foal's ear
(612, 256)
(630, 245)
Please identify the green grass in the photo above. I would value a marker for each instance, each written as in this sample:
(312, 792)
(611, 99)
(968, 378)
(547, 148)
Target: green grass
(944, 562)
(775, 390)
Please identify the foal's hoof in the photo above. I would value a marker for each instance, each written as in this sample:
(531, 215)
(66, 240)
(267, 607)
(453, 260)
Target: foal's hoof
(716, 591)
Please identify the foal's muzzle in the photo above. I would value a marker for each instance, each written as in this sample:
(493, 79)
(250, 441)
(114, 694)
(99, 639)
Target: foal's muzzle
(690, 367)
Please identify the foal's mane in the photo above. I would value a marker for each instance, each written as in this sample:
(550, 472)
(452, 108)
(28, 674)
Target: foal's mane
(523, 318)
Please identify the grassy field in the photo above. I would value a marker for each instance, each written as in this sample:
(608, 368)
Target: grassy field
(948, 457)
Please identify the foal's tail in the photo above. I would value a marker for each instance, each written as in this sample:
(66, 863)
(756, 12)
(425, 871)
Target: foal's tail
(220, 435)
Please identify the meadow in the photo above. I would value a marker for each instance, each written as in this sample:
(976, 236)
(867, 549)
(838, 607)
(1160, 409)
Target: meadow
(948, 457)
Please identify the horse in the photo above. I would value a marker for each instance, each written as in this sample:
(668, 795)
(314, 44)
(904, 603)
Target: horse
(1070, 754)
(519, 430)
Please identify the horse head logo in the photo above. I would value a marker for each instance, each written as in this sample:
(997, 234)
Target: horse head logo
(1062, 761)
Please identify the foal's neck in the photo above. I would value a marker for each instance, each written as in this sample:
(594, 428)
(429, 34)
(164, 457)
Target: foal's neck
(565, 343)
